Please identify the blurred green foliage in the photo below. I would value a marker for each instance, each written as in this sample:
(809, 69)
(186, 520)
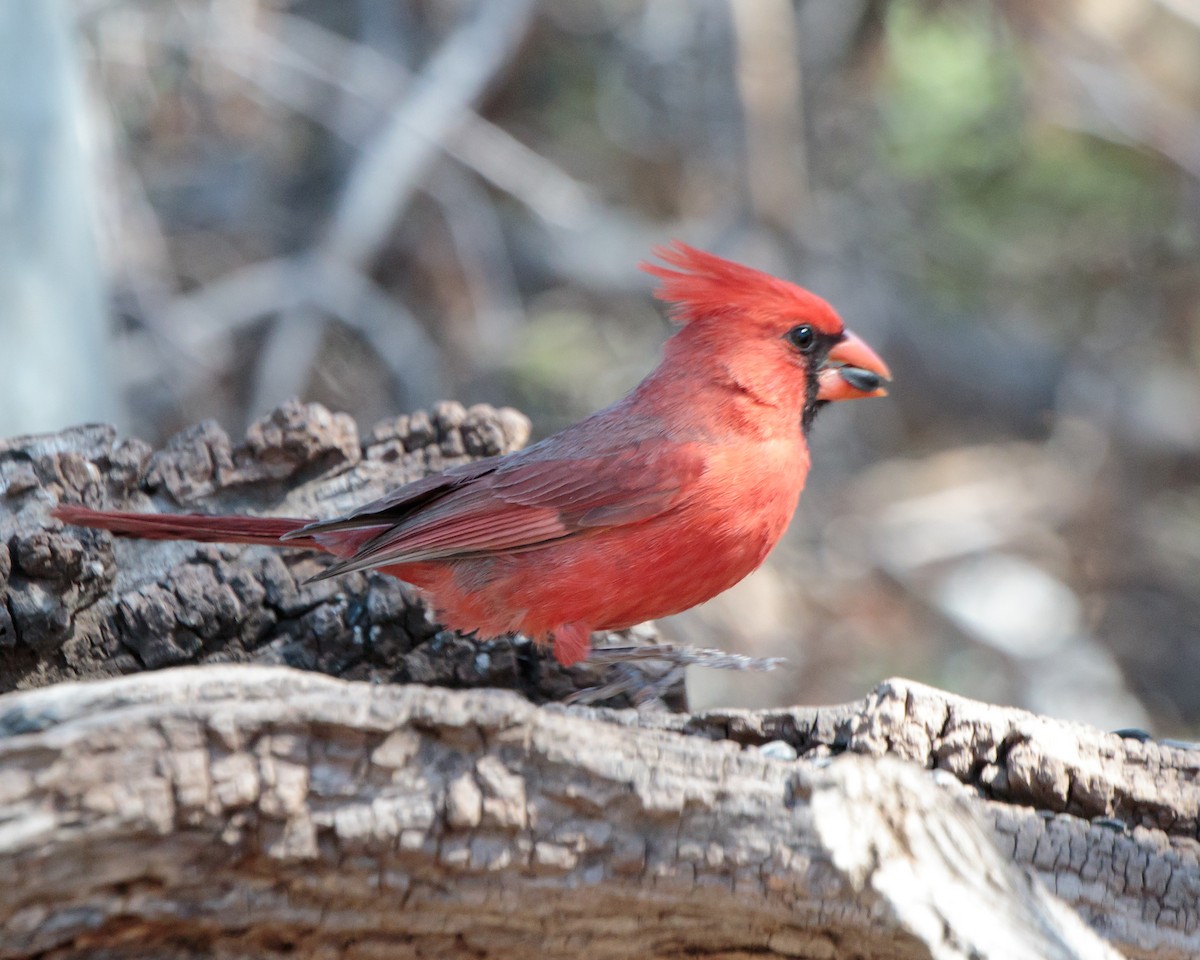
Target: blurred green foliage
(1004, 197)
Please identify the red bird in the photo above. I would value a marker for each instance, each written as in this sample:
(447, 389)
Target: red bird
(646, 508)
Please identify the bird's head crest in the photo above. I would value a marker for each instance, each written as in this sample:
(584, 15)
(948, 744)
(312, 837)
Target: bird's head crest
(701, 285)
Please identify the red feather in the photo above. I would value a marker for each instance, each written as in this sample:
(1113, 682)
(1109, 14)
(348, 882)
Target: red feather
(704, 286)
(532, 498)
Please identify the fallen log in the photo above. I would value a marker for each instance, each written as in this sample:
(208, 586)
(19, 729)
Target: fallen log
(258, 811)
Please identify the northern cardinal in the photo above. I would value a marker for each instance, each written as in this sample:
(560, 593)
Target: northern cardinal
(646, 508)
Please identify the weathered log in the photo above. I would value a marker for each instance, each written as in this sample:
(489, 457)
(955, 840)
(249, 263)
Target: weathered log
(250, 811)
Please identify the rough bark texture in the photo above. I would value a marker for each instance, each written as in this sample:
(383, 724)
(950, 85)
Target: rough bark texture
(242, 811)
(79, 604)
(1108, 822)
(247, 811)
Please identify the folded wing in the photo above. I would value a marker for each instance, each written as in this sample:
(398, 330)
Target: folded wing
(516, 503)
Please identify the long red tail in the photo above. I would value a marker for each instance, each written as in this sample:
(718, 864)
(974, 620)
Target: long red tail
(187, 526)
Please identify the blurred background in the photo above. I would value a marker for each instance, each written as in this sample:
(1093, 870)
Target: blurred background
(208, 206)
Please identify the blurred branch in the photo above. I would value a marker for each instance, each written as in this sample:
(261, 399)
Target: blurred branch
(288, 66)
(1188, 10)
(1103, 90)
(1114, 101)
(434, 115)
(306, 282)
(297, 63)
(286, 359)
(52, 290)
(769, 82)
(478, 239)
(438, 102)
(544, 187)
(398, 338)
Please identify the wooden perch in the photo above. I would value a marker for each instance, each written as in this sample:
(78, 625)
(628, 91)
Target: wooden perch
(256, 811)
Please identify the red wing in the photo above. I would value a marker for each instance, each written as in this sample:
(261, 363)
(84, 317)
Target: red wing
(521, 503)
(403, 501)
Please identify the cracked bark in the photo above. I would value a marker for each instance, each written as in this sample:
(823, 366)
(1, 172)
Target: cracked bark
(257, 811)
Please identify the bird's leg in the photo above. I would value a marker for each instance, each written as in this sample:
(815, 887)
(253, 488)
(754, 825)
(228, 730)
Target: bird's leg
(572, 642)
(648, 674)
(645, 692)
(683, 656)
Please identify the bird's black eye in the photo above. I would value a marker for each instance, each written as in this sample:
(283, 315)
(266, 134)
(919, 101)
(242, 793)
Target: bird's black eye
(803, 337)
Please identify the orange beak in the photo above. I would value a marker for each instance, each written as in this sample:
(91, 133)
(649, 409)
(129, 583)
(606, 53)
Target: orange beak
(853, 371)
